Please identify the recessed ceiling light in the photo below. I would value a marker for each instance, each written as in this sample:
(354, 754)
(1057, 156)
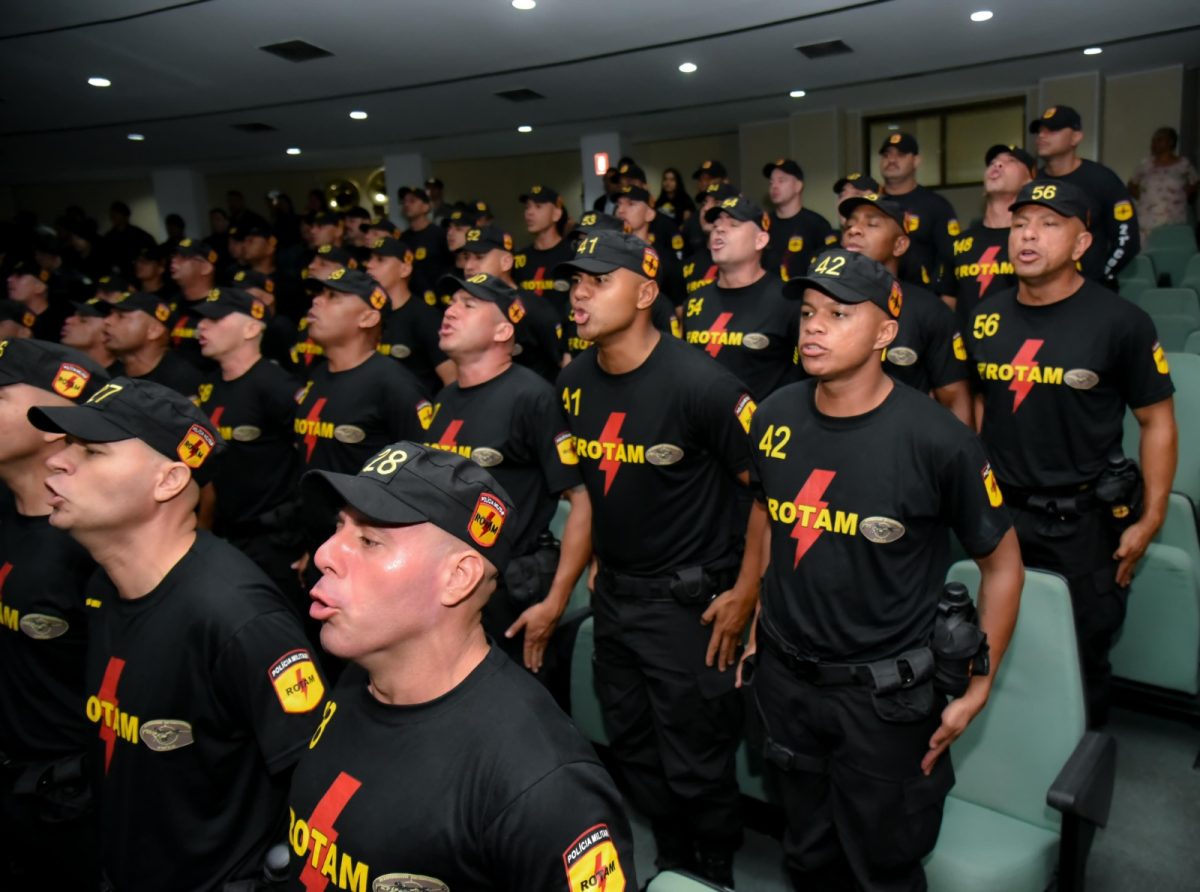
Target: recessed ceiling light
(136, 137)
(293, 151)
(982, 16)
(797, 94)
(1093, 51)
(688, 67)
(524, 5)
(99, 82)
(893, 126)
(358, 115)
(524, 128)
(380, 198)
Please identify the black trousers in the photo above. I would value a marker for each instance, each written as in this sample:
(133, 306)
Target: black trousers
(1081, 549)
(40, 853)
(674, 724)
(860, 814)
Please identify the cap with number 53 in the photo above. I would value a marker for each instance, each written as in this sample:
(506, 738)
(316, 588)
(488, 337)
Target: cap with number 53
(406, 483)
(1060, 197)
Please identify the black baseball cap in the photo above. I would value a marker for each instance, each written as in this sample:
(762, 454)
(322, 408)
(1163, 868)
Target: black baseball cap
(325, 218)
(252, 278)
(719, 192)
(434, 183)
(195, 248)
(632, 170)
(849, 278)
(1060, 197)
(11, 311)
(787, 165)
(463, 215)
(95, 307)
(413, 190)
(541, 195)
(1016, 151)
(154, 253)
(594, 221)
(488, 288)
(358, 213)
(482, 239)
(905, 142)
(141, 301)
(740, 208)
(1057, 117)
(858, 181)
(384, 224)
(63, 370)
(337, 254)
(406, 483)
(634, 193)
(113, 284)
(137, 409)
(883, 203)
(712, 168)
(27, 267)
(251, 224)
(604, 251)
(352, 281)
(392, 247)
(222, 302)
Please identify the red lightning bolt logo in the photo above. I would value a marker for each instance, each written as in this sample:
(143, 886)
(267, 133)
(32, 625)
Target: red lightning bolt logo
(323, 817)
(310, 439)
(985, 278)
(450, 435)
(108, 694)
(810, 497)
(714, 346)
(4, 571)
(600, 872)
(611, 434)
(215, 417)
(1024, 360)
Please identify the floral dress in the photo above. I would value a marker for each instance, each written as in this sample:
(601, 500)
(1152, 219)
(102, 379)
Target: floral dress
(1163, 198)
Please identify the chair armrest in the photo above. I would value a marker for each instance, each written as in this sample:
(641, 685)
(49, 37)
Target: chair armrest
(1084, 787)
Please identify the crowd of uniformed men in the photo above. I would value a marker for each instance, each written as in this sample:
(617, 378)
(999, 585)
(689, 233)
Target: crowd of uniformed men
(281, 599)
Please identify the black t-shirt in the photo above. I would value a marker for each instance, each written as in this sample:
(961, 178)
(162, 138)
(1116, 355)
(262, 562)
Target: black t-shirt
(858, 509)
(795, 241)
(981, 268)
(928, 351)
(488, 787)
(253, 414)
(305, 353)
(699, 270)
(1116, 237)
(533, 271)
(431, 257)
(43, 636)
(410, 336)
(539, 338)
(659, 449)
(343, 418)
(670, 269)
(1056, 380)
(752, 331)
(177, 374)
(662, 315)
(512, 425)
(47, 325)
(203, 694)
(184, 337)
(932, 226)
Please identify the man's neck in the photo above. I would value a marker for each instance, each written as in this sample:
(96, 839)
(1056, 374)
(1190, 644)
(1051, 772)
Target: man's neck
(643, 233)
(398, 291)
(479, 368)
(419, 224)
(264, 265)
(507, 279)
(26, 479)
(155, 283)
(546, 239)
(625, 351)
(996, 214)
(855, 393)
(101, 354)
(899, 185)
(240, 361)
(1049, 289)
(137, 560)
(789, 209)
(144, 359)
(740, 275)
(37, 304)
(1061, 165)
(350, 355)
(196, 289)
(412, 673)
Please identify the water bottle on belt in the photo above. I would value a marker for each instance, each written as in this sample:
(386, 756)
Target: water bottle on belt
(960, 647)
(1119, 489)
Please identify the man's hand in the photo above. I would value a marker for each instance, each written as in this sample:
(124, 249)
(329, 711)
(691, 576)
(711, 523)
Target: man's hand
(1134, 542)
(955, 718)
(539, 622)
(727, 614)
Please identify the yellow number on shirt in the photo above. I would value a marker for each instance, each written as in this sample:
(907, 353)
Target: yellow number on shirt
(330, 709)
(986, 325)
(571, 400)
(695, 305)
(773, 441)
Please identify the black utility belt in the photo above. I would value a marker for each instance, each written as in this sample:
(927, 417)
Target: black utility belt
(689, 586)
(1060, 502)
(909, 669)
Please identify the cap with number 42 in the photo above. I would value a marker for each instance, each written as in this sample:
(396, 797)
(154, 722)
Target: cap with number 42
(406, 483)
(850, 278)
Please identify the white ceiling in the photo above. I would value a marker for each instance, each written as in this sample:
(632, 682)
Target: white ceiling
(425, 71)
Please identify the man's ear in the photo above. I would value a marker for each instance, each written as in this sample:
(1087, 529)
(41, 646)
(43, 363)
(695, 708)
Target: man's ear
(888, 329)
(464, 569)
(173, 478)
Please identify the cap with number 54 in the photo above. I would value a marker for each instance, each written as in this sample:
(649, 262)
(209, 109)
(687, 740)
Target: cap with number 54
(1060, 197)
(407, 483)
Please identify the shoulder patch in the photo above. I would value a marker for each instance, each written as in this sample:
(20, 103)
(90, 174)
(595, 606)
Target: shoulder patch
(591, 862)
(744, 410)
(296, 681)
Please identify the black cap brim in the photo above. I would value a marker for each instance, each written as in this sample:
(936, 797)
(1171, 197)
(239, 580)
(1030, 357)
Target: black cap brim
(854, 202)
(214, 310)
(451, 284)
(1069, 213)
(593, 266)
(82, 309)
(843, 294)
(81, 422)
(329, 492)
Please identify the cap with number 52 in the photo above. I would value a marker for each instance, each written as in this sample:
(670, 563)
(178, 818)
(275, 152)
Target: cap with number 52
(406, 483)
(850, 278)
(1060, 197)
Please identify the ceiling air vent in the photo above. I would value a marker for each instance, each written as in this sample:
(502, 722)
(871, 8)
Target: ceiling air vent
(825, 49)
(254, 127)
(296, 51)
(521, 95)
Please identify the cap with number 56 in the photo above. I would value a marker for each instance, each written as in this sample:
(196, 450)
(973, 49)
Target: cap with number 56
(1060, 197)
(407, 483)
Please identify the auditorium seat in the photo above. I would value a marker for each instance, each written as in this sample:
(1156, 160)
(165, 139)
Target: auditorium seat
(1140, 267)
(1133, 287)
(1175, 235)
(580, 596)
(1176, 301)
(1174, 329)
(1191, 274)
(1171, 247)
(1032, 783)
(676, 881)
(585, 708)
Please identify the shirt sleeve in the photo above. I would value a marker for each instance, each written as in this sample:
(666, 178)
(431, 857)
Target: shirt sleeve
(402, 405)
(427, 335)
(549, 441)
(720, 418)
(947, 356)
(1122, 232)
(972, 503)
(270, 683)
(1145, 377)
(566, 833)
(945, 231)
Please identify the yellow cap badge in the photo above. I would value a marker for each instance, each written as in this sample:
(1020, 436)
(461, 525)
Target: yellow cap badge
(487, 520)
(195, 446)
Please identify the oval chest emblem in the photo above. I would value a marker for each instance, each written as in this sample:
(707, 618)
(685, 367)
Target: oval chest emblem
(244, 433)
(881, 530)
(486, 457)
(164, 735)
(349, 433)
(756, 341)
(663, 454)
(901, 356)
(41, 627)
(407, 882)
(400, 351)
(1081, 379)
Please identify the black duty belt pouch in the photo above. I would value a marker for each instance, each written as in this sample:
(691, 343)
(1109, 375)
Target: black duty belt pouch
(528, 578)
(59, 790)
(902, 687)
(696, 586)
